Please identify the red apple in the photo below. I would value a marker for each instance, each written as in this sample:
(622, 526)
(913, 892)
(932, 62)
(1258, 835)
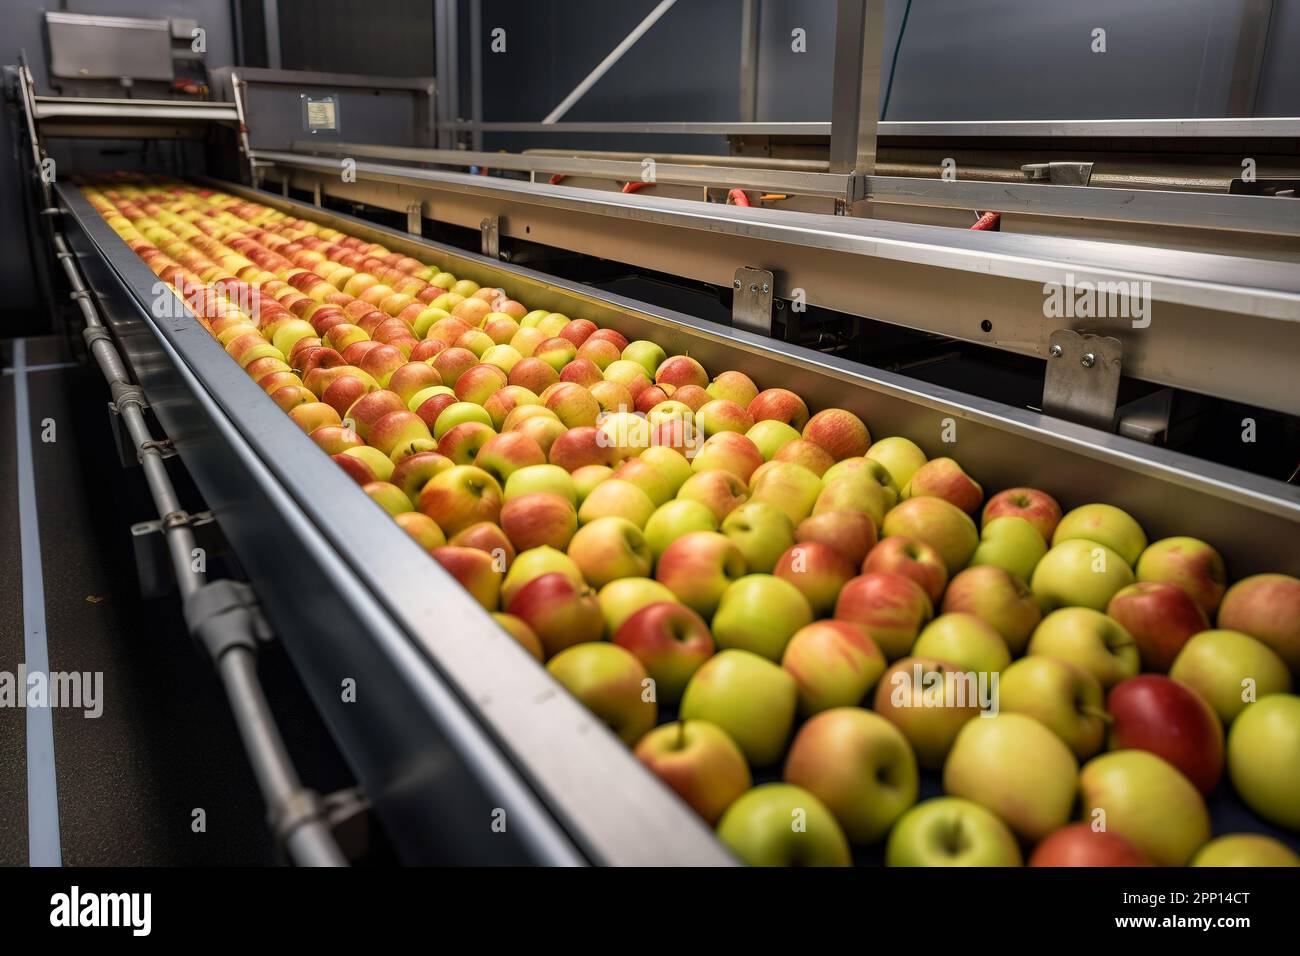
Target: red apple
(838, 431)
(679, 370)
(541, 518)
(891, 608)
(1160, 617)
(1154, 713)
(1267, 607)
(944, 478)
(1080, 845)
(1037, 507)
(487, 537)
(699, 762)
(475, 571)
(671, 640)
(698, 567)
(817, 570)
(578, 447)
(1191, 564)
(910, 558)
(779, 404)
(560, 612)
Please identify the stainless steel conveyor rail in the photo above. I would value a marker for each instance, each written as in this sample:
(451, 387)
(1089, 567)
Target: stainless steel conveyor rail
(220, 614)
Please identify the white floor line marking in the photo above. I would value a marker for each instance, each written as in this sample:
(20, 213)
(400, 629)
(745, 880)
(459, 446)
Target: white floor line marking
(42, 786)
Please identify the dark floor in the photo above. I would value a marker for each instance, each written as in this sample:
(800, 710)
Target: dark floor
(130, 781)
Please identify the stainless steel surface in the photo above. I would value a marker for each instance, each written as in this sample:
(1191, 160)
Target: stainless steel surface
(452, 718)
(1081, 383)
(271, 26)
(97, 109)
(1248, 61)
(1059, 173)
(1263, 127)
(1254, 520)
(447, 69)
(1218, 325)
(86, 47)
(751, 302)
(855, 92)
(749, 20)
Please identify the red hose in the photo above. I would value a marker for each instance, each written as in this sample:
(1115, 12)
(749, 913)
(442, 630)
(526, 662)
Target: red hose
(989, 222)
(634, 186)
(737, 197)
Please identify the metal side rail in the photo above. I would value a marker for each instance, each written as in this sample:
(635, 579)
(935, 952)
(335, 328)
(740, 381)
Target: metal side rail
(221, 615)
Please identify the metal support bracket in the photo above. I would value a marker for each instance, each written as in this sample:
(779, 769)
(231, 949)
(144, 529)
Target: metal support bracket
(1081, 383)
(224, 614)
(1058, 173)
(415, 219)
(152, 560)
(490, 234)
(1147, 418)
(751, 304)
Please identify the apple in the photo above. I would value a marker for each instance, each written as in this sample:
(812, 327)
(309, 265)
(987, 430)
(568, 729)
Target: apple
(1264, 758)
(560, 612)
(461, 496)
(998, 598)
(463, 442)
(478, 382)
(1063, 697)
(749, 697)
(944, 527)
(792, 488)
(781, 825)
(487, 537)
(1104, 524)
(779, 404)
(619, 499)
(834, 664)
(698, 762)
(760, 613)
(621, 598)
(890, 608)
(1230, 670)
(770, 436)
(541, 518)
(1012, 543)
(964, 640)
(422, 528)
(1146, 801)
(609, 681)
(1079, 573)
(454, 362)
(719, 491)
(1267, 607)
(388, 496)
(578, 331)
(818, 571)
(572, 404)
(761, 531)
(944, 478)
(929, 701)
(1245, 849)
(1161, 617)
(855, 492)
(474, 571)
(533, 374)
(626, 434)
(532, 479)
(1017, 768)
(699, 567)
(728, 451)
(291, 396)
(720, 415)
(681, 370)
(1080, 845)
(671, 465)
(1189, 563)
(803, 452)
(612, 397)
(672, 641)
(588, 477)
(900, 458)
(413, 472)
(693, 397)
(648, 478)
(310, 416)
(578, 447)
(1152, 712)
(1089, 639)
(673, 520)
(459, 413)
(730, 385)
(851, 533)
(335, 439)
(606, 549)
(950, 831)
(631, 375)
(646, 354)
(912, 559)
(859, 765)
(1037, 507)
(503, 455)
(532, 564)
(556, 352)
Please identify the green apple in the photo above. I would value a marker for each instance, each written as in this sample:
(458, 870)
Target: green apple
(900, 456)
(771, 436)
(1090, 640)
(929, 701)
(611, 683)
(1193, 565)
(964, 640)
(1264, 758)
(532, 479)
(865, 467)
(535, 562)
(1245, 849)
(1079, 573)
(610, 548)
(859, 765)
(620, 599)
(1103, 524)
(762, 531)
(587, 478)
(997, 597)
(617, 499)
(760, 613)
(1017, 768)
(749, 697)
(457, 413)
(1142, 798)
(699, 762)
(1011, 543)
(675, 519)
(1063, 697)
(1230, 670)
(950, 831)
(856, 492)
(646, 354)
(781, 825)
(670, 463)
(792, 488)
(941, 525)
